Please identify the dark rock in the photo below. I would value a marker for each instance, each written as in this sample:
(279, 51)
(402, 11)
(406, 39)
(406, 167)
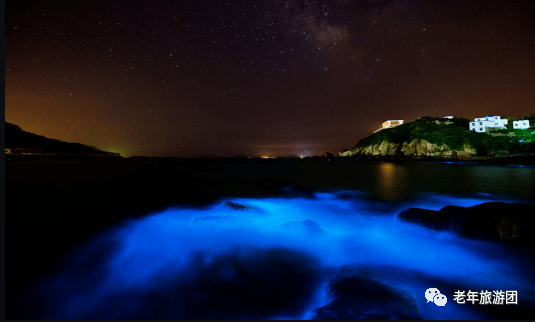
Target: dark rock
(511, 223)
(359, 298)
(256, 284)
(432, 219)
(236, 206)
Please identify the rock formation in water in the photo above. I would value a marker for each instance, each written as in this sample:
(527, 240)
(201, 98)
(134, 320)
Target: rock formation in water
(236, 206)
(498, 221)
(360, 298)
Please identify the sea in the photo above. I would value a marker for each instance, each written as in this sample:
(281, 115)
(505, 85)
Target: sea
(274, 257)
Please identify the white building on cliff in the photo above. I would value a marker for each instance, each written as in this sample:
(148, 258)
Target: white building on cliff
(481, 124)
(392, 123)
(520, 125)
(389, 124)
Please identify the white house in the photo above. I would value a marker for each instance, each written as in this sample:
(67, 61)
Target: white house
(389, 124)
(481, 124)
(392, 123)
(520, 125)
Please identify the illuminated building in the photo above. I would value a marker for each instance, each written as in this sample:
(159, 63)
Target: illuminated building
(481, 124)
(520, 125)
(389, 124)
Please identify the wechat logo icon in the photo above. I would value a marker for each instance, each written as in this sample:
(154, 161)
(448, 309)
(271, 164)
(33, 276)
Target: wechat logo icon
(433, 295)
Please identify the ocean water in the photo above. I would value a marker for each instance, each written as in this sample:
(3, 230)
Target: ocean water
(275, 259)
(180, 263)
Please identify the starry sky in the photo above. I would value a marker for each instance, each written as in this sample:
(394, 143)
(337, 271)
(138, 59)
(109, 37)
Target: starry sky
(272, 77)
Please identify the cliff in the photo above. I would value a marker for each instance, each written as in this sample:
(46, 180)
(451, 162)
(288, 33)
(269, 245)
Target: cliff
(409, 149)
(429, 137)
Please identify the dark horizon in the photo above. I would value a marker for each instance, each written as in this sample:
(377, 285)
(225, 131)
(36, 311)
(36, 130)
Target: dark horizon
(266, 78)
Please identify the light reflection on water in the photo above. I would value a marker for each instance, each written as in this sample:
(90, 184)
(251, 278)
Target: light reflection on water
(160, 247)
(392, 181)
(391, 177)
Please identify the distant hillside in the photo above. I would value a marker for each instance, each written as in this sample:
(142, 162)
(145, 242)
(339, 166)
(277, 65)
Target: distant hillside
(19, 141)
(439, 137)
(207, 156)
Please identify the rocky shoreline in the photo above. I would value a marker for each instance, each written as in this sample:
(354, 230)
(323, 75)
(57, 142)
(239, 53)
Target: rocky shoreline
(432, 139)
(511, 223)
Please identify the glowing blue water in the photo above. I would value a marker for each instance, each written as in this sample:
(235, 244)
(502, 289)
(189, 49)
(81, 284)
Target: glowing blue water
(172, 250)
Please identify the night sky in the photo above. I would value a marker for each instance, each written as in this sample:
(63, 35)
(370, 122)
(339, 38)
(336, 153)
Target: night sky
(301, 77)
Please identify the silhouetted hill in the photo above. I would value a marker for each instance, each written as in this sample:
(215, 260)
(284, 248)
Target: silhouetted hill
(292, 156)
(19, 141)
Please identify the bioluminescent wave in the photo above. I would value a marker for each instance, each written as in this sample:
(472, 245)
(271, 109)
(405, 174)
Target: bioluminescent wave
(273, 260)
